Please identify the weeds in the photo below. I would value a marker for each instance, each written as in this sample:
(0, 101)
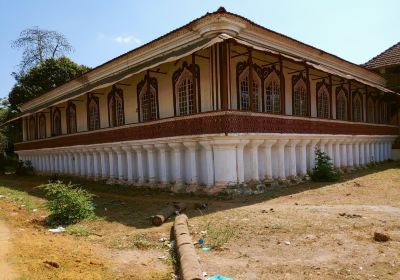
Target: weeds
(218, 235)
(79, 230)
(18, 197)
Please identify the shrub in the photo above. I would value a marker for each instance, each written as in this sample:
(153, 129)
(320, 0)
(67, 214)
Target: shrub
(324, 171)
(24, 168)
(68, 204)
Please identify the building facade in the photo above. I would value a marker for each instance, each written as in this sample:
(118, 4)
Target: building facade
(216, 102)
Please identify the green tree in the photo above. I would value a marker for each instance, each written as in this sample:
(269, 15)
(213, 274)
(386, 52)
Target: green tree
(41, 78)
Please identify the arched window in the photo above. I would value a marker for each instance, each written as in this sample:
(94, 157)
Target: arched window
(116, 115)
(384, 112)
(272, 93)
(56, 122)
(323, 102)
(71, 118)
(32, 128)
(187, 100)
(93, 112)
(341, 104)
(357, 108)
(243, 72)
(147, 91)
(42, 126)
(370, 110)
(300, 102)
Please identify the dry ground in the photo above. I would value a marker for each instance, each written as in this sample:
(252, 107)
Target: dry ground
(308, 231)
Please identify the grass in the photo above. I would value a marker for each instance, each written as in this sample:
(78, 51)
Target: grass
(139, 241)
(218, 235)
(19, 197)
(79, 230)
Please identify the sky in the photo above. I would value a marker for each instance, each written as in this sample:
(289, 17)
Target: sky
(100, 30)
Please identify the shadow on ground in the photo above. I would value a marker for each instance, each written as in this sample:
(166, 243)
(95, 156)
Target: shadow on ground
(134, 206)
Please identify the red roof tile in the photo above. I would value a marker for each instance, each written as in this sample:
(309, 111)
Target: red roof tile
(389, 57)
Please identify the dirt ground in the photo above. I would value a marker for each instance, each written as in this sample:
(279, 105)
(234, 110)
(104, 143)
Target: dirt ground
(307, 231)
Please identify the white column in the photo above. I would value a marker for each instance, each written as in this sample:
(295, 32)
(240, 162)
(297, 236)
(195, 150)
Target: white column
(96, 164)
(336, 157)
(82, 163)
(390, 149)
(292, 161)
(281, 158)
(151, 163)
(76, 163)
(376, 151)
(368, 156)
(268, 158)
(343, 156)
(163, 164)
(303, 157)
(240, 159)
(66, 165)
(89, 163)
(139, 163)
(329, 150)
(381, 150)
(120, 162)
(111, 163)
(225, 162)
(105, 169)
(356, 153)
(209, 168)
(322, 145)
(176, 158)
(313, 144)
(254, 159)
(350, 161)
(192, 168)
(129, 162)
(70, 162)
(385, 154)
(362, 153)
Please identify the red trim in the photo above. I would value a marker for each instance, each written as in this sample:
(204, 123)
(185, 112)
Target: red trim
(223, 122)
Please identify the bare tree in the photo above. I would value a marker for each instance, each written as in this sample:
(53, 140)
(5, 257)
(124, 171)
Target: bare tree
(39, 45)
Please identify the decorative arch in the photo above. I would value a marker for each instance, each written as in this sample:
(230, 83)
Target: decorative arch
(32, 128)
(341, 103)
(300, 95)
(272, 91)
(116, 115)
(71, 117)
(357, 108)
(147, 99)
(186, 100)
(383, 112)
(323, 100)
(243, 86)
(42, 126)
(370, 110)
(56, 121)
(93, 112)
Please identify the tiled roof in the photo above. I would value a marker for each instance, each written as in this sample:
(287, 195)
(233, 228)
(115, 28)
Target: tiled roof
(389, 57)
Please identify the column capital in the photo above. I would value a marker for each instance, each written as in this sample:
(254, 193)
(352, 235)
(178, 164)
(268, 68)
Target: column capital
(149, 147)
(175, 145)
(161, 146)
(190, 145)
(304, 142)
(270, 142)
(283, 142)
(206, 145)
(228, 144)
(126, 148)
(256, 143)
(293, 142)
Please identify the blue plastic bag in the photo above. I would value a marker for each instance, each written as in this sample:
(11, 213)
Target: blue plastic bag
(219, 277)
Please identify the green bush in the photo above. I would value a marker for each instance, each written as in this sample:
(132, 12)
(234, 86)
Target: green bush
(24, 168)
(68, 204)
(324, 171)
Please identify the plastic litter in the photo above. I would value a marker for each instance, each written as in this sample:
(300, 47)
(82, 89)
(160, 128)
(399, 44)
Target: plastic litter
(206, 249)
(200, 242)
(2, 196)
(219, 277)
(56, 230)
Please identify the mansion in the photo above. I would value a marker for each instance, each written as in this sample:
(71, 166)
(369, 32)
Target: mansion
(219, 101)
